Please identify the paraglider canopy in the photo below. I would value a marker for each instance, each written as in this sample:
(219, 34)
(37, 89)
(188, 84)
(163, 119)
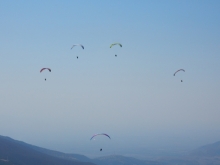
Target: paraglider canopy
(45, 69)
(100, 134)
(178, 71)
(77, 45)
(115, 44)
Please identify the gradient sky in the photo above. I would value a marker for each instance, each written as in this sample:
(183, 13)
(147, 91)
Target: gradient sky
(134, 98)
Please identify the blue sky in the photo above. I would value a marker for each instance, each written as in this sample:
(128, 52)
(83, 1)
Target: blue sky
(135, 97)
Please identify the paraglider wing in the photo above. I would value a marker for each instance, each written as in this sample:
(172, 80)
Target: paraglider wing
(77, 45)
(45, 69)
(178, 71)
(115, 44)
(100, 134)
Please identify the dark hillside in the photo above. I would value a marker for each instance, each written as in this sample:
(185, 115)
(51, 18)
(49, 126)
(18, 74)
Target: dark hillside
(209, 150)
(20, 153)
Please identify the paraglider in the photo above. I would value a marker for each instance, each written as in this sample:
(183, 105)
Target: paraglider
(178, 71)
(77, 45)
(103, 134)
(114, 45)
(45, 69)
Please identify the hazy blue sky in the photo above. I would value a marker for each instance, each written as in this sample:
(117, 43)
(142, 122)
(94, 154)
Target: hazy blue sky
(133, 97)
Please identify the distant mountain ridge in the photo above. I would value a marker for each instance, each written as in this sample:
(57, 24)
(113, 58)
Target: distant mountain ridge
(14, 152)
(209, 150)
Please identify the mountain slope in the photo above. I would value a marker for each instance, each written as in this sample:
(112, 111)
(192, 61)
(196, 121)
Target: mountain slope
(209, 150)
(20, 153)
